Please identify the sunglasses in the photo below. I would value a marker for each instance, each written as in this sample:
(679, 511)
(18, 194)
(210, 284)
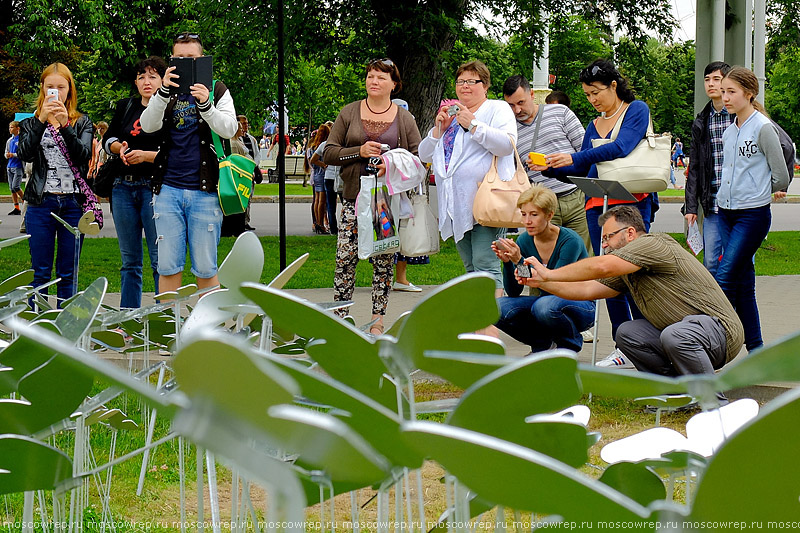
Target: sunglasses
(186, 36)
(385, 61)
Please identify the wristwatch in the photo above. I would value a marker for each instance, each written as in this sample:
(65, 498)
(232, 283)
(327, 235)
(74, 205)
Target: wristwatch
(473, 124)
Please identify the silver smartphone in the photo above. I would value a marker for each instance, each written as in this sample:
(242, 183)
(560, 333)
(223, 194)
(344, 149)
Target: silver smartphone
(52, 93)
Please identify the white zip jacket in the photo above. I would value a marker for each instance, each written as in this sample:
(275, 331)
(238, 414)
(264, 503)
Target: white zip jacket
(753, 166)
(470, 161)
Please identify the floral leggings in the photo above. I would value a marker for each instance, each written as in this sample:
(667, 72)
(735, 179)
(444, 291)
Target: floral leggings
(344, 279)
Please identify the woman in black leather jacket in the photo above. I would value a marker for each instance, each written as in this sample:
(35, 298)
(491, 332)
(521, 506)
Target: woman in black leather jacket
(58, 140)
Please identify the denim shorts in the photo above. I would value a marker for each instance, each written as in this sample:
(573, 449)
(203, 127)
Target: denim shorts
(15, 178)
(187, 216)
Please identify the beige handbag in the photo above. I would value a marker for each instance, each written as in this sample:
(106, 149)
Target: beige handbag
(645, 169)
(495, 202)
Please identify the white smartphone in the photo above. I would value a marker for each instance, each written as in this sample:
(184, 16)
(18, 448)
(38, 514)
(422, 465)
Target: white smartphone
(52, 93)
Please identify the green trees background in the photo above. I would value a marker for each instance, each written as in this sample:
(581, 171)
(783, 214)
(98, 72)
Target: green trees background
(328, 43)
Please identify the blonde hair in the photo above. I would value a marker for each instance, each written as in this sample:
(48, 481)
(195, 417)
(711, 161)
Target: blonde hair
(541, 197)
(744, 78)
(71, 102)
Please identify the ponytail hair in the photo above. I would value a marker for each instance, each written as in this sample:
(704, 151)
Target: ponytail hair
(744, 78)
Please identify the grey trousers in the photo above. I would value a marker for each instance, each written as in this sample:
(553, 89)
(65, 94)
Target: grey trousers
(695, 345)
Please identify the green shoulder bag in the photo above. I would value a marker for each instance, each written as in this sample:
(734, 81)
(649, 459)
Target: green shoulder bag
(235, 175)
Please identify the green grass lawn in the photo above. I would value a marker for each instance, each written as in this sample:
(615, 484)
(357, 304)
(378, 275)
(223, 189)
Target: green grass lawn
(271, 189)
(100, 257)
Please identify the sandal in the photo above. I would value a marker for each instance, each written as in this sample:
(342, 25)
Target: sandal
(378, 327)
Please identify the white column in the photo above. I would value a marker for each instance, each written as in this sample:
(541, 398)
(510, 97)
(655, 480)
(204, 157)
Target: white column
(759, 45)
(718, 31)
(541, 66)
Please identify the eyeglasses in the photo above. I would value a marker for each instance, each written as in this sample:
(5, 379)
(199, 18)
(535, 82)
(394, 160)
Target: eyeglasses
(385, 61)
(605, 238)
(186, 36)
(468, 82)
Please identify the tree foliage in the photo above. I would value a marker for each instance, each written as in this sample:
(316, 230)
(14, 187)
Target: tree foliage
(326, 45)
(663, 76)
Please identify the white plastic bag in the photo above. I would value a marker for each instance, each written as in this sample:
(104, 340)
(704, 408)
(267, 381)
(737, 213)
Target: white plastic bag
(377, 232)
(419, 235)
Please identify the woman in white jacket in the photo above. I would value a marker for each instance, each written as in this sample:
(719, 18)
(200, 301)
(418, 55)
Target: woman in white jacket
(461, 146)
(753, 168)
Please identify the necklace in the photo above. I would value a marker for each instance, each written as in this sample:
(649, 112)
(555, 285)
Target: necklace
(377, 112)
(603, 114)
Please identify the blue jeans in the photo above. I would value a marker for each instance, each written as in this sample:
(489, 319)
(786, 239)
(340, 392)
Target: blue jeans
(132, 209)
(620, 308)
(538, 321)
(45, 231)
(330, 203)
(475, 249)
(742, 231)
(712, 243)
(187, 216)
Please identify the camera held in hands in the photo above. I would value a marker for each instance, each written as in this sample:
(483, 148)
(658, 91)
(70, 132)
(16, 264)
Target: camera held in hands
(453, 110)
(523, 270)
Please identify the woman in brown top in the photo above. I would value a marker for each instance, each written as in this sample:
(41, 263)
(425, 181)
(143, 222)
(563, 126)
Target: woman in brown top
(357, 135)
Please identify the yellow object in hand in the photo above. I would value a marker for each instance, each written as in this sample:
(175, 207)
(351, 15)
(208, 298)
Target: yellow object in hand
(538, 159)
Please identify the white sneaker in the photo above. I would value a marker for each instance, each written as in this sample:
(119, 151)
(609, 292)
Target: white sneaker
(615, 359)
(588, 335)
(406, 288)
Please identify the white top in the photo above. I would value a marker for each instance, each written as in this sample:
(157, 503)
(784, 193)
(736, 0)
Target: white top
(470, 161)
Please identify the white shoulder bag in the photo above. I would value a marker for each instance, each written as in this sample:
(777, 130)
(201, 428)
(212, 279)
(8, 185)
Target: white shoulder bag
(645, 169)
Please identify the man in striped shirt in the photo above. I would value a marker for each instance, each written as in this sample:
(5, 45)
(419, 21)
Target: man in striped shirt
(689, 326)
(549, 129)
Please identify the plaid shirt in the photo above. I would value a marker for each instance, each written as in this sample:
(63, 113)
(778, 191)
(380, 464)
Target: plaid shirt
(718, 122)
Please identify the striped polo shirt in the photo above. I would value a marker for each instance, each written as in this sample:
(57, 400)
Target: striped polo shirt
(559, 133)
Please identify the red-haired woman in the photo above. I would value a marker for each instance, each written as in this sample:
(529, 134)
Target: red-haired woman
(58, 141)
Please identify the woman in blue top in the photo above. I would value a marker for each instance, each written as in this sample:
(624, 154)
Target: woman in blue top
(753, 168)
(543, 320)
(609, 94)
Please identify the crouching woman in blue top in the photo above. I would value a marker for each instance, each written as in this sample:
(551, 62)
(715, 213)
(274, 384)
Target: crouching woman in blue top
(541, 320)
(753, 168)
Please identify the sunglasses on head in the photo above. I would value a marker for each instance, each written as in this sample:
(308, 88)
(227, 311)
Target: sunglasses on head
(593, 72)
(186, 36)
(385, 61)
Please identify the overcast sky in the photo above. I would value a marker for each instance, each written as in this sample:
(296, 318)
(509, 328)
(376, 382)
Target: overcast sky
(684, 13)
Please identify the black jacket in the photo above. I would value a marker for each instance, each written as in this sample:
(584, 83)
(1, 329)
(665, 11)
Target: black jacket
(77, 138)
(701, 166)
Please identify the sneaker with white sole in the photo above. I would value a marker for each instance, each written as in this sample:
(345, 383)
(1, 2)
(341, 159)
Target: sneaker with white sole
(588, 335)
(405, 288)
(615, 359)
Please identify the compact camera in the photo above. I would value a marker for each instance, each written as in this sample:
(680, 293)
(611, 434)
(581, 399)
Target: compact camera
(523, 270)
(453, 110)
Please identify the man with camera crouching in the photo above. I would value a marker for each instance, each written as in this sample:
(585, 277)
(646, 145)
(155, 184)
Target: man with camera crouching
(186, 207)
(689, 326)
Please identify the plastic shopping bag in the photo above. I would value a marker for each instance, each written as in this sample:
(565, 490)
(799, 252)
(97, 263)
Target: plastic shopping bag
(377, 232)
